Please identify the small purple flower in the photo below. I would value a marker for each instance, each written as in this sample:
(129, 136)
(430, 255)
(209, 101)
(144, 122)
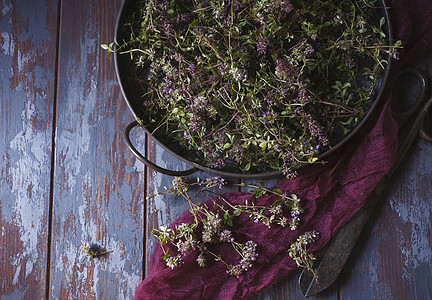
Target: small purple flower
(217, 181)
(262, 46)
(283, 221)
(173, 261)
(269, 117)
(226, 236)
(294, 222)
(275, 209)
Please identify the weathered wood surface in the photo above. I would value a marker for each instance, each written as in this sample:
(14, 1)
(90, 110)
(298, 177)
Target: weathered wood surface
(67, 176)
(98, 186)
(27, 77)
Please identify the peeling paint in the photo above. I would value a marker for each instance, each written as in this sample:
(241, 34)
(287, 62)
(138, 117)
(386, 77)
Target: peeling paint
(90, 177)
(375, 283)
(415, 248)
(7, 43)
(26, 174)
(6, 8)
(118, 264)
(415, 211)
(17, 272)
(26, 119)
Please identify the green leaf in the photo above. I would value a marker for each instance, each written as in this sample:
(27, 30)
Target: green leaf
(347, 122)
(228, 218)
(140, 121)
(166, 255)
(272, 218)
(278, 191)
(277, 202)
(289, 203)
(312, 159)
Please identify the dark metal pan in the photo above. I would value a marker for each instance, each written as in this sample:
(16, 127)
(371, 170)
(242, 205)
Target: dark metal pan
(127, 76)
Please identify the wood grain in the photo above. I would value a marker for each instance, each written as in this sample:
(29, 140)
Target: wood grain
(27, 76)
(98, 185)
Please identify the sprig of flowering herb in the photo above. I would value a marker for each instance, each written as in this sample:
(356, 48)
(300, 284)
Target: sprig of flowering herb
(298, 251)
(92, 250)
(185, 240)
(248, 255)
(260, 84)
(213, 226)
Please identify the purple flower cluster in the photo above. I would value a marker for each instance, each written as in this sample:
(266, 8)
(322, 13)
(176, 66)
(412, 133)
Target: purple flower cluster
(305, 239)
(226, 236)
(173, 261)
(269, 117)
(317, 131)
(184, 247)
(216, 181)
(248, 255)
(212, 227)
(283, 69)
(262, 46)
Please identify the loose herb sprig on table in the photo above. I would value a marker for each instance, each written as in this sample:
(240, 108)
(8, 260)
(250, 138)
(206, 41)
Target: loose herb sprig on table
(256, 84)
(92, 250)
(213, 226)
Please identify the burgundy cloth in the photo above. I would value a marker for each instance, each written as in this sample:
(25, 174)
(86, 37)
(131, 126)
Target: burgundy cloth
(331, 194)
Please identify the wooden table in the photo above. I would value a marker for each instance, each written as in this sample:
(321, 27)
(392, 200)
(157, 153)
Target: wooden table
(67, 176)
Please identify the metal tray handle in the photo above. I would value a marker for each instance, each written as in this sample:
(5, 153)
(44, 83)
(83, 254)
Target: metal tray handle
(146, 161)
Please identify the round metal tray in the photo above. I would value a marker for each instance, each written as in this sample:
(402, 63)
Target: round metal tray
(127, 75)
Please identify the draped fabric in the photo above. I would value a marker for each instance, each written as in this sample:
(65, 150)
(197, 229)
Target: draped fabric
(331, 194)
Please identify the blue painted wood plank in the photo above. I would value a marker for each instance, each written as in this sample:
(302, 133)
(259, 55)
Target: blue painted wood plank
(98, 184)
(27, 76)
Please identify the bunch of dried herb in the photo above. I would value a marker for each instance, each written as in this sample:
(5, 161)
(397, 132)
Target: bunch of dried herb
(215, 225)
(257, 84)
